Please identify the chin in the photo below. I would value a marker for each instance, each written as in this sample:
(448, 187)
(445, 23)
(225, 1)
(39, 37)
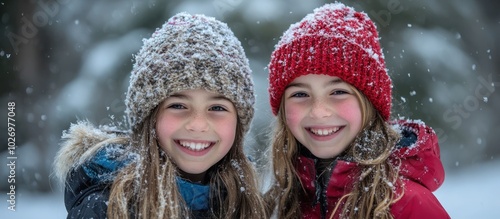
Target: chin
(194, 170)
(324, 154)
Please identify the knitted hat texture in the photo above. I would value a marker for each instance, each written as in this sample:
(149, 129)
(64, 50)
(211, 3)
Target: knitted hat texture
(334, 40)
(190, 52)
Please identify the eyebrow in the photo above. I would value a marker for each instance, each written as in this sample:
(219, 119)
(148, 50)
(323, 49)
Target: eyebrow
(219, 97)
(212, 97)
(331, 82)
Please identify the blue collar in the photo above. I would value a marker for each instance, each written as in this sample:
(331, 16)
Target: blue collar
(195, 195)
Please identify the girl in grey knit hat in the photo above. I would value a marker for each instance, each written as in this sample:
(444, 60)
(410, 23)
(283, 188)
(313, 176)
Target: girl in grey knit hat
(189, 105)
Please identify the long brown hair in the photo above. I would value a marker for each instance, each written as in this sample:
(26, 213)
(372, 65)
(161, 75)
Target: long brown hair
(377, 173)
(147, 188)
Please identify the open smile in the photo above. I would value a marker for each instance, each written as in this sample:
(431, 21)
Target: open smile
(195, 145)
(325, 131)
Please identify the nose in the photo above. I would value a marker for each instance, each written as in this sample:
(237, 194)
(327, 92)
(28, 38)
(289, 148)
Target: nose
(198, 123)
(320, 109)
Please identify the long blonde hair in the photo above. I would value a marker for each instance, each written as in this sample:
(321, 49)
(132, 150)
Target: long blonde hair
(377, 173)
(147, 188)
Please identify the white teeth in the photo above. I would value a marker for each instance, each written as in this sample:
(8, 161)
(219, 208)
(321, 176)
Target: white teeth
(194, 145)
(325, 132)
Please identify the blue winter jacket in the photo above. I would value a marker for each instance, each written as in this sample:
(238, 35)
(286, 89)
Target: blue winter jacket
(88, 184)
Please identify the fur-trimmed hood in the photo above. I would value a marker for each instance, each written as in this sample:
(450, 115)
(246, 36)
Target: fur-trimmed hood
(80, 143)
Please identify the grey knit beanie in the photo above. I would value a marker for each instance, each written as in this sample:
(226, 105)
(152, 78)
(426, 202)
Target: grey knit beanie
(190, 52)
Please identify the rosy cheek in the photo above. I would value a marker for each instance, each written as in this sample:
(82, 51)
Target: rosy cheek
(165, 126)
(351, 111)
(293, 115)
(227, 129)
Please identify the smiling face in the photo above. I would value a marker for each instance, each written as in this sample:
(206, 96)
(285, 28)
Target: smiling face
(196, 129)
(323, 113)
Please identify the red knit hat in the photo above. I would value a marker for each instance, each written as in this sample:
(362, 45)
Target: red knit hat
(334, 40)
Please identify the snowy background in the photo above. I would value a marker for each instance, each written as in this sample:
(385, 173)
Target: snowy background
(63, 60)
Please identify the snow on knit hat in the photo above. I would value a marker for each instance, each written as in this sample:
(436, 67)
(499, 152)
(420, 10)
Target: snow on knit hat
(190, 52)
(334, 40)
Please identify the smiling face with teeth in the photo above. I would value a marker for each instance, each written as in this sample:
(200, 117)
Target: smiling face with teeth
(323, 113)
(196, 128)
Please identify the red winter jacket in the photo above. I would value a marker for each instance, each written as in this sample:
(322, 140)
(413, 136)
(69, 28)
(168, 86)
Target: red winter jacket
(421, 169)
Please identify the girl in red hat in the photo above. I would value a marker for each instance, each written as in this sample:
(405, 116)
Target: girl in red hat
(335, 153)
